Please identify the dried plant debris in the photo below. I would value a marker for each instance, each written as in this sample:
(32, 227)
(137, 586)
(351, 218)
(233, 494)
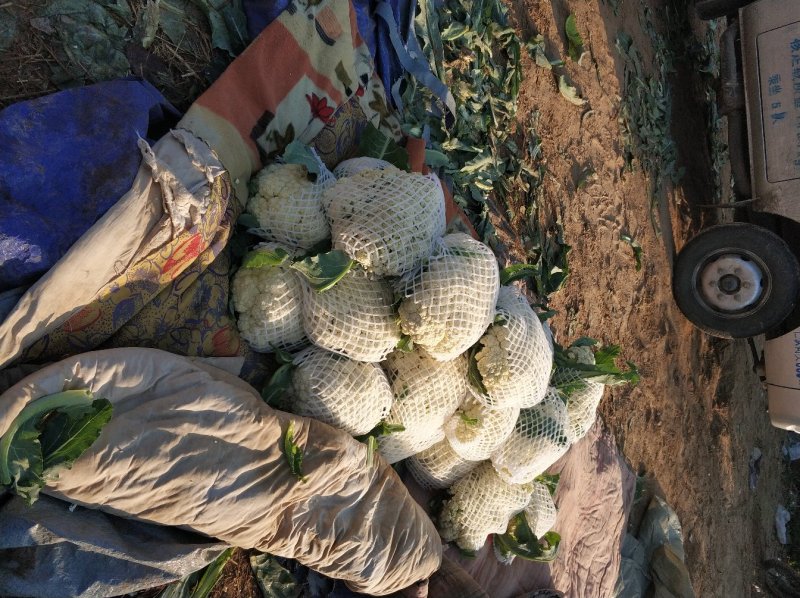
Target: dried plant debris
(181, 46)
(478, 56)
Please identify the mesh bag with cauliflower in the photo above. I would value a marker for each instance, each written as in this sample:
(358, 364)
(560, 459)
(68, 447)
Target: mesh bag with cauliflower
(268, 302)
(288, 205)
(354, 318)
(475, 431)
(426, 393)
(514, 358)
(482, 503)
(439, 466)
(449, 301)
(352, 166)
(583, 397)
(387, 220)
(541, 511)
(350, 395)
(540, 437)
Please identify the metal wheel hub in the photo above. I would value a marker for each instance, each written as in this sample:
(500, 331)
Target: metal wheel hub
(731, 283)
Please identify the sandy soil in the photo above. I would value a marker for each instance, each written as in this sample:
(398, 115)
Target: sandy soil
(691, 423)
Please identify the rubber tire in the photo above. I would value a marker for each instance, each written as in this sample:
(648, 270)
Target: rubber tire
(714, 9)
(779, 265)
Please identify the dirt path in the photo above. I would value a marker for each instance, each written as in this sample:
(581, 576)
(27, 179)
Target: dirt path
(692, 422)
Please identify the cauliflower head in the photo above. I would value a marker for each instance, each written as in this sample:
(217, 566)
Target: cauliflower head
(541, 511)
(353, 166)
(426, 393)
(268, 302)
(481, 504)
(449, 301)
(540, 437)
(354, 318)
(350, 395)
(515, 359)
(288, 206)
(582, 404)
(475, 431)
(581, 354)
(439, 466)
(387, 220)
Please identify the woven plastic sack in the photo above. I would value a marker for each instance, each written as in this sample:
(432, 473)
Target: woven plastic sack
(439, 466)
(583, 397)
(354, 318)
(475, 431)
(350, 395)
(426, 393)
(387, 220)
(515, 359)
(288, 206)
(353, 166)
(268, 302)
(449, 301)
(481, 504)
(541, 510)
(540, 437)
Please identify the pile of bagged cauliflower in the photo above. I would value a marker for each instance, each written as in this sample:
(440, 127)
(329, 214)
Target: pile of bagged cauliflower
(418, 334)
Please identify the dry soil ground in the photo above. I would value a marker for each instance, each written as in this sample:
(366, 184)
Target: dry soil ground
(691, 423)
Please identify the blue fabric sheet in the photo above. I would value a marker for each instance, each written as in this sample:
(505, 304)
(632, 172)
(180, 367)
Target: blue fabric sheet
(66, 159)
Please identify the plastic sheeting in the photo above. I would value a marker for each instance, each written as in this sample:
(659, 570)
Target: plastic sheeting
(66, 159)
(90, 553)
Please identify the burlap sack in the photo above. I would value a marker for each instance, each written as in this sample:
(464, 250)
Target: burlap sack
(190, 445)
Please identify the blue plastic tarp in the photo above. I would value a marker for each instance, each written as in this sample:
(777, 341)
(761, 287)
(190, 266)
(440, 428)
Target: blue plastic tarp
(66, 159)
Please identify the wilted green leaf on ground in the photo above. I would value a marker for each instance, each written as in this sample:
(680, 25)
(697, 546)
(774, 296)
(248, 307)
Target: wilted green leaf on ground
(569, 92)
(637, 250)
(574, 39)
(273, 580)
(147, 23)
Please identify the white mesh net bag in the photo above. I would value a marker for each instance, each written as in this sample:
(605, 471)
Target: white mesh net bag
(540, 437)
(475, 431)
(426, 393)
(439, 466)
(387, 220)
(583, 397)
(482, 504)
(449, 301)
(350, 395)
(354, 318)
(541, 510)
(514, 359)
(268, 302)
(353, 166)
(397, 446)
(288, 206)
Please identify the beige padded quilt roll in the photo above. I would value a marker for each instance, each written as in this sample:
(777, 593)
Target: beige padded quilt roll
(191, 445)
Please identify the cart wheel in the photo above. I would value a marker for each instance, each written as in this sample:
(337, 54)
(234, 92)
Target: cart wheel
(736, 280)
(714, 9)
